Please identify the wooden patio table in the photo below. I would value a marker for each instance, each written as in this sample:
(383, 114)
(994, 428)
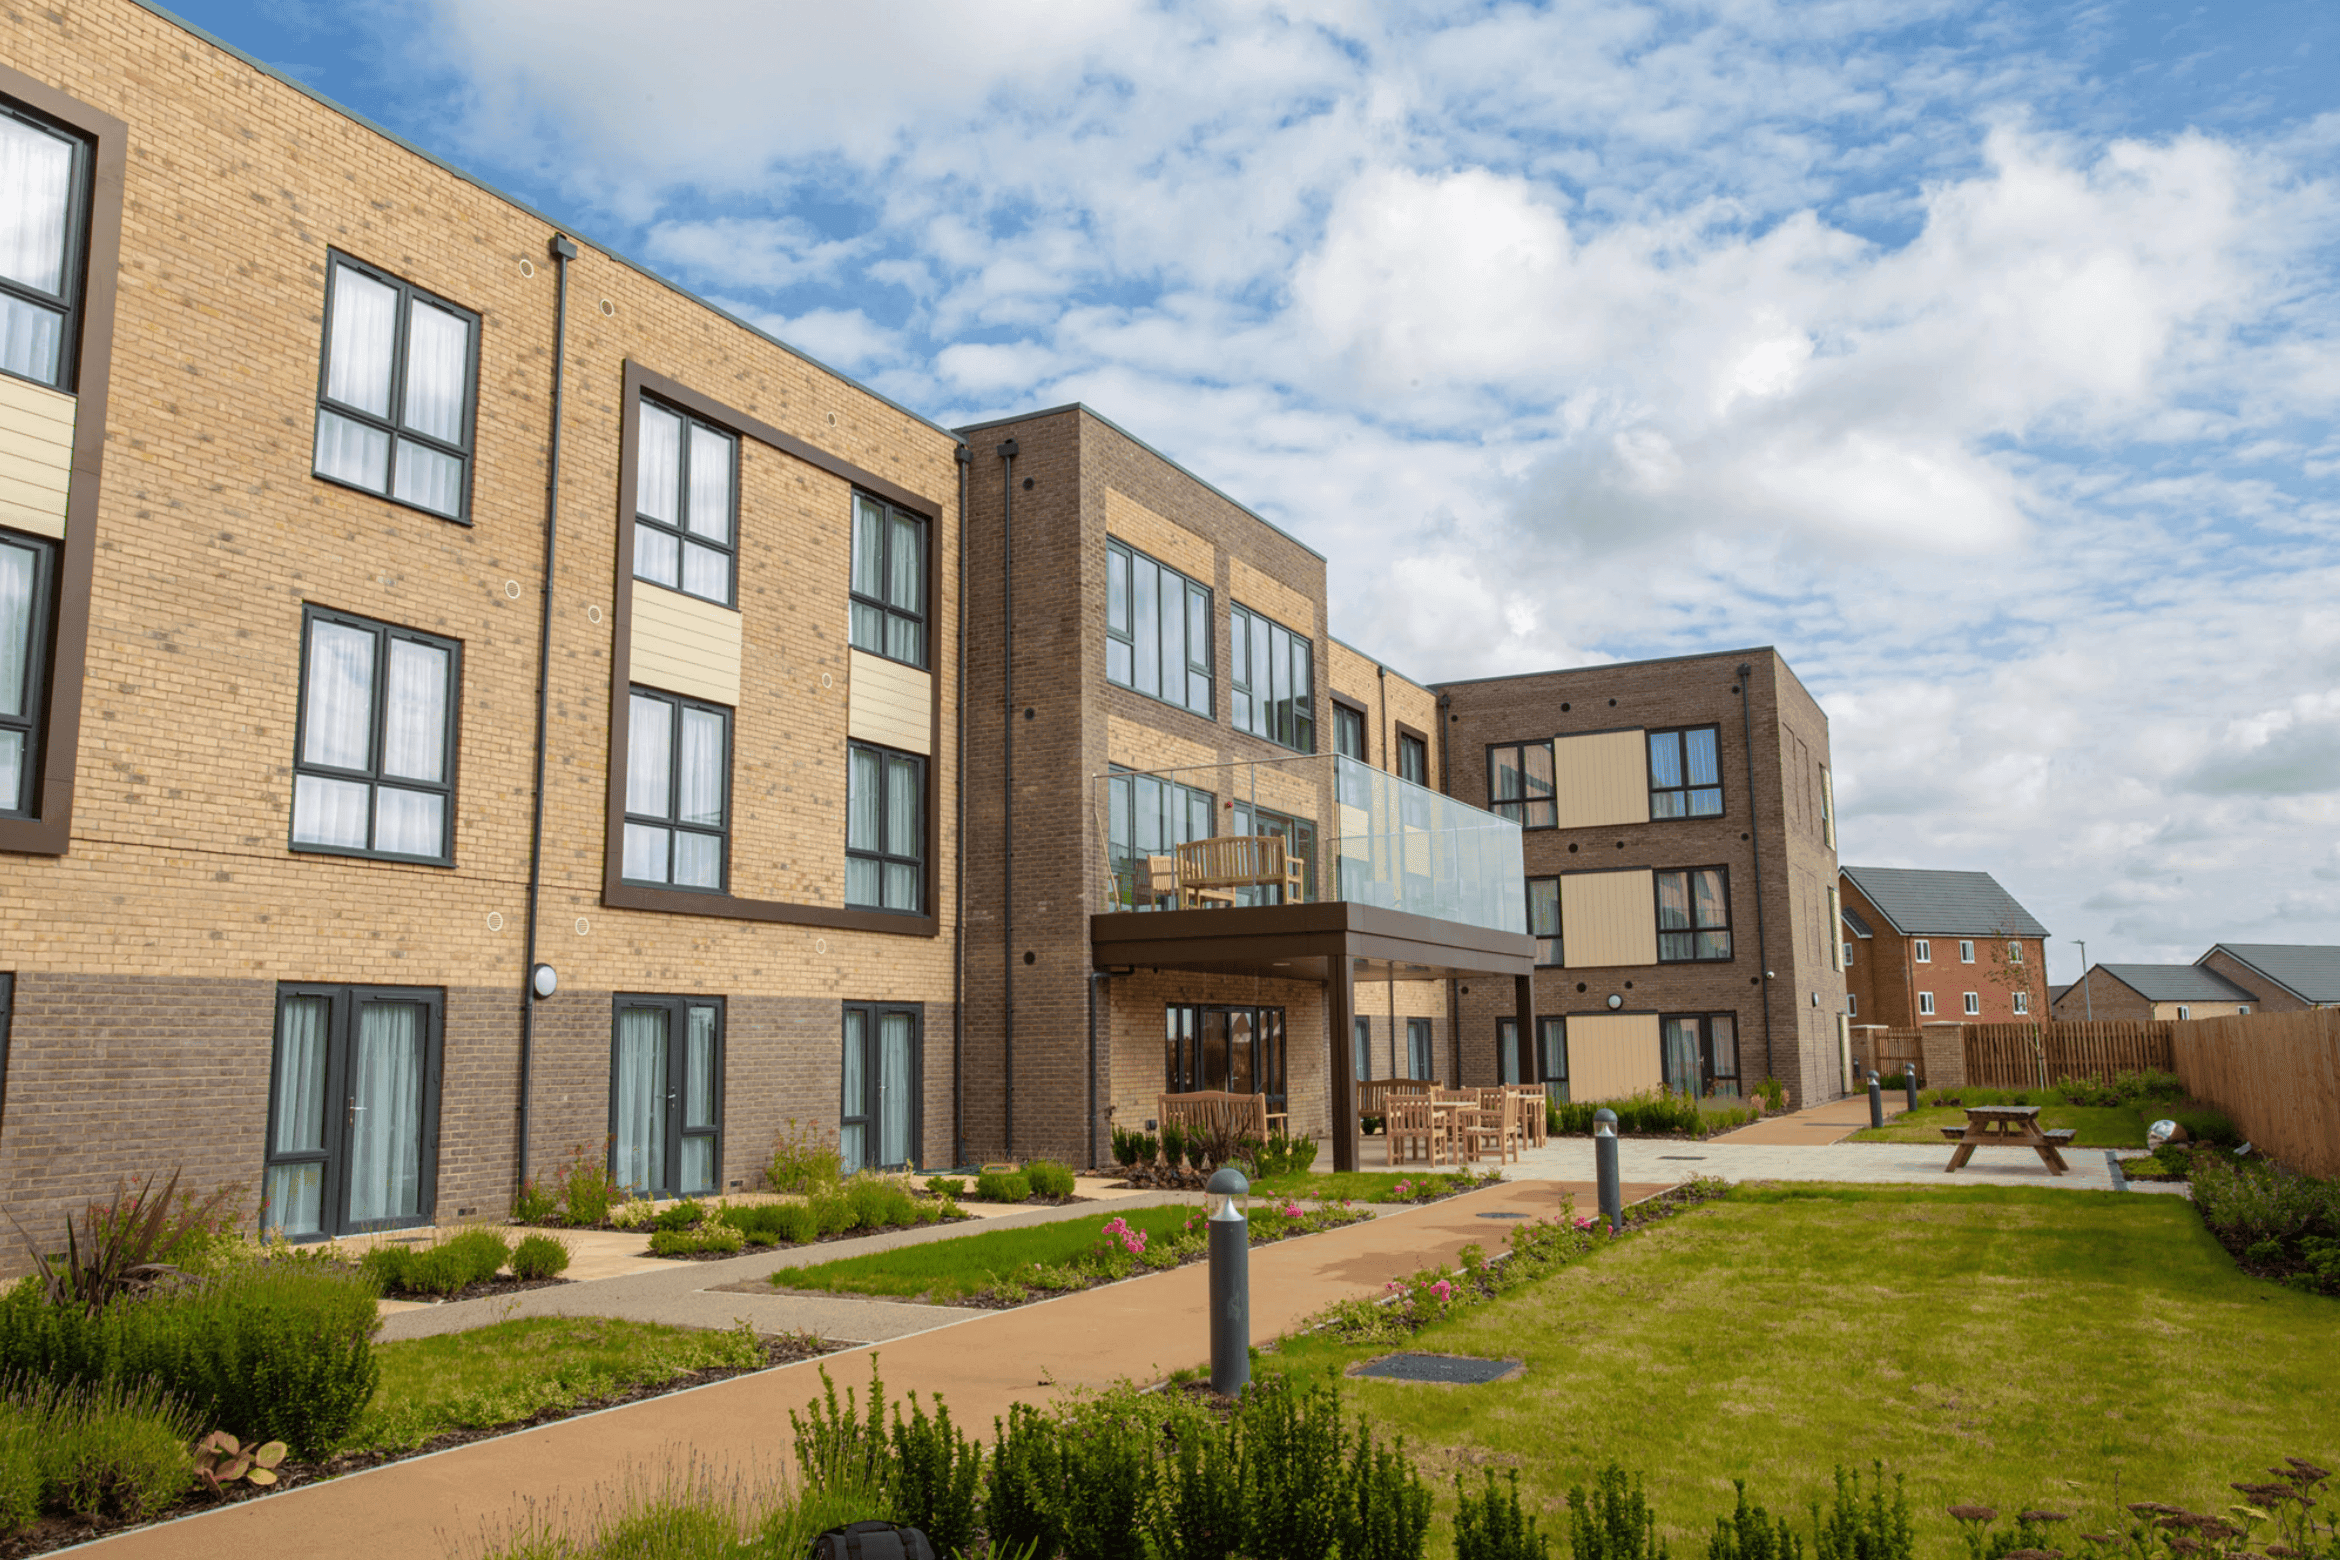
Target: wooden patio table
(2005, 1126)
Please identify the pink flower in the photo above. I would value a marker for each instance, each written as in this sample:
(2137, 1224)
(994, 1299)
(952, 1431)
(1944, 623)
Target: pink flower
(1405, 1188)
(1584, 1224)
(1291, 1210)
(1396, 1288)
(1443, 1290)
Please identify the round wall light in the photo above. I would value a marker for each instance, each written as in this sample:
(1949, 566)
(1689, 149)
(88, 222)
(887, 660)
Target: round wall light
(544, 980)
(1615, 1001)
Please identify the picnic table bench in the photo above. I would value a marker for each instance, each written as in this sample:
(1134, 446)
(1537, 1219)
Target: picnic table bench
(2006, 1126)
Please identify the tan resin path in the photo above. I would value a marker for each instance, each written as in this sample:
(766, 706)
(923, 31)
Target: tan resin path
(426, 1508)
(1829, 1123)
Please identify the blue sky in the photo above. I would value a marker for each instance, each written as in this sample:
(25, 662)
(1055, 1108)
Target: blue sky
(1983, 357)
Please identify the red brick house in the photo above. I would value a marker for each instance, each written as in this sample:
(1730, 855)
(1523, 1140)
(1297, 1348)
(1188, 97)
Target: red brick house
(1927, 947)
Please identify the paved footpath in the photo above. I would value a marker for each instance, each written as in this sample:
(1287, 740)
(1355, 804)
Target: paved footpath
(1140, 1330)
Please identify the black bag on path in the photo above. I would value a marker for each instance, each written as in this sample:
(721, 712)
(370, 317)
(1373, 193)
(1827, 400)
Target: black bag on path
(873, 1541)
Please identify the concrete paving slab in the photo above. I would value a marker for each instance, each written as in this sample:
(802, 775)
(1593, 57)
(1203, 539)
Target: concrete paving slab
(1644, 1159)
(1829, 1123)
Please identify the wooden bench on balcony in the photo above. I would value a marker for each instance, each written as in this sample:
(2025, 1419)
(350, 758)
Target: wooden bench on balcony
(1209, 869)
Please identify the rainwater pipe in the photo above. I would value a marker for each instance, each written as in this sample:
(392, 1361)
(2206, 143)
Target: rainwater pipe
(966, 459)
(1755, 836)
(1007, 795)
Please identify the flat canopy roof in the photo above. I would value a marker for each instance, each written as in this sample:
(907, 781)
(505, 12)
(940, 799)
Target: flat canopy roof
(1306, 942)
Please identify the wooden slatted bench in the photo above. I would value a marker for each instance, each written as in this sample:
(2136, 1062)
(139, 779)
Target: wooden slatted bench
(1953, 1134)
(2061, 1135)
(1230, 861)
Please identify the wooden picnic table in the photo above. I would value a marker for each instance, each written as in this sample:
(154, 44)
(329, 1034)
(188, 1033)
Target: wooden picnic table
(2005, 1126)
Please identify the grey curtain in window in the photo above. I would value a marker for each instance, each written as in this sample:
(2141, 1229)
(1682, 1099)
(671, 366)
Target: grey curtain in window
(698, 1148)
(863, 793)
(894, 1089)
(385, 1143)
(638, 1118)
(1681, 1055)
(36, 188)
(902, 833)
(853, 1113)
(337, 719)
(19, 568)
(649, 770)
(296, 1201)
(414, 747)
(1724, 1031)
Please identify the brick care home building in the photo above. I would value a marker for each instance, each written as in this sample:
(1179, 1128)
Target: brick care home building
(331, 701)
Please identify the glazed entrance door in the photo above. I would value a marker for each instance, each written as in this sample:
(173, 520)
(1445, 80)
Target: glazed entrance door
(666, 1095)
(353, 1111)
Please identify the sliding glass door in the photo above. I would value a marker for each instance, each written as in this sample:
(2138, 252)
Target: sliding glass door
(1239, 1050)
(666, 1095)
(352, 1110)
(879, 1117)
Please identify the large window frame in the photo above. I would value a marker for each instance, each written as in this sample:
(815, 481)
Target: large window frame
(1421, 1049)
(1189, 1066)
(1516, 791)
(887, 597)
(1552, 1055)
(1272, 678)
(338, 1110)
(1681, 788)
(65, 303)
(668, 548)
(1299, 837)
(1543, 914)
(1413, 757)
(675, 821)
(860, 1126)
(374, 775)
(1146, 815)
(1141, 638)
(879, 848)
(22, 725)
(692, 1111)
(393, 421)
(1699, 913)
(1710, 1041)
(1350, 731)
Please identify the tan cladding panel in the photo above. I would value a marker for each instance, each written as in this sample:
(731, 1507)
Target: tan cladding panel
(1135, 745)
(1265, 593)
(1612, 1055)
(1601, 779)
(1354, 677)
(1163, 540)
(1608, 919)
(36, 457)
(890, 704)
(685, 645)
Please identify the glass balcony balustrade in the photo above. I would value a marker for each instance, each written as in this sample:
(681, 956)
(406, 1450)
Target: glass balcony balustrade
(1325, 827)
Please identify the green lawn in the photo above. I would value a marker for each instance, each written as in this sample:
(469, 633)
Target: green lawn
(1364, 1186)
(514, 1370)
(2108, 1126)
(953, 1268)
(2010, 1346)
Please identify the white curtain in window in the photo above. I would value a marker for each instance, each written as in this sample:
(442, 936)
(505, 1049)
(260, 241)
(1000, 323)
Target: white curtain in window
(296, 1203)
(18, 570)
(438, 361)
(36, 188)
(657, 556)
(710, 484)
(1681, 1055)
(414, 727)
(429, 479)
(893, 1089)
(706, 572)
(645, 853)
(340, 706)
(11, 769)
(869, 548)
(385, 1140)
(638, 1124)
(410, 823)
(365, 324)
(30, 337)
(658, 464)
(698, 860)
(906, 566)
(701, 801)
(902, 835)
(353, 452)
(650, 758)
(861, 802)
(698, 1149)
(853, 1131)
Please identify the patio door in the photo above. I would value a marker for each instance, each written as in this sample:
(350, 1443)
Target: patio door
(666, 1095)
(1239, 1050)
(1700, 1053)
(879, 1117)
(353, 1106)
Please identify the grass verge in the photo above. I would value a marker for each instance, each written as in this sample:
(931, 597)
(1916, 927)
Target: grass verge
(945, 1270)
(2011, 1346)
(2098, 1126)
(1369, 1186)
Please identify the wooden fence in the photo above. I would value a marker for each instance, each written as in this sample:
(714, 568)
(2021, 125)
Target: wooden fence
(1887, 1051)
(2276, 1074)
(2031, 1056)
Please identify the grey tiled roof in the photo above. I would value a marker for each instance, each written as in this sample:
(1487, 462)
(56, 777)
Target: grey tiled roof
(2308, 972)
(2178, 983)
(1857, 926)
(1922, 903)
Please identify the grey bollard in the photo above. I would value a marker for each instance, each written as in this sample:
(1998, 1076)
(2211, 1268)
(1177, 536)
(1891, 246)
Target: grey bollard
(1230, 1240)
(1876, 1101)
(1909, 1085)
(1605, 1168)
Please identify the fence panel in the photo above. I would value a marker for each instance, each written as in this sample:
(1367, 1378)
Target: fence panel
(2276, 1074)
(2030, 1056)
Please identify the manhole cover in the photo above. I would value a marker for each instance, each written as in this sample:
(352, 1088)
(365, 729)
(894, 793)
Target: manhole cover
(1456, 1369)
(1502, 1215)
(1681, 1156)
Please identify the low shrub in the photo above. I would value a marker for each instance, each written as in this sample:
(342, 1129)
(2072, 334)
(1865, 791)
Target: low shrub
(1125, 1147)
(1643, 1115)
(532, 1204)
(684, 1215)
(803, 1160)
(712, 1236)
(585, 1188)
(1002, 1187)
(1173, 1144)
(2132, 1088)
(1489, 1525)
(879, 1202)
(832, 1214)
(956, 1186)
(446, 1268)
(631, 1213)
(1049, 1179)
(539, 1257)
(95, 1450)
(143, 1237)
(1774, 1094)
(1281, 1154)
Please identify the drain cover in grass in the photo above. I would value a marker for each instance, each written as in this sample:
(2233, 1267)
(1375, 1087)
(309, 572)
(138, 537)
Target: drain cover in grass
(1455, 1369)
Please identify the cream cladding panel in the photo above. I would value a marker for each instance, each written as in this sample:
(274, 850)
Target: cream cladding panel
(1608, 919)
(1612, 1055)
(1265, 593)
(1166, 541)
(1601, 779)
(685, 645)
(890, 704)
(36, 457)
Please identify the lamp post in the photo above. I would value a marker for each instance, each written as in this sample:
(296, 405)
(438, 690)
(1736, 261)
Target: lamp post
(2087, 995)
(1605, 1168)
(1230, 1247)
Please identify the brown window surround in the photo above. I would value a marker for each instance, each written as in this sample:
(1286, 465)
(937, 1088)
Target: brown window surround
(621, 895)
(1397, 743)
(1342, 701)
(49, 833)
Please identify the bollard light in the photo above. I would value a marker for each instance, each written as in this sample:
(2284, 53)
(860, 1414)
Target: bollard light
(1229, 1230)
(1605, 1168)
(1909, 1084)
(1876, 1101)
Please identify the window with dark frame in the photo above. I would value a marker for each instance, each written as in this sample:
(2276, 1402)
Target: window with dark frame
(396, 390)
(1349, 732)
(1507, 1050)
(1147, 815)
(374, 749)
(7, 1007)
(1273, 679)
(45, 173)
(686, 503)
(666, 1095)
(1157, 630)
(1362, 1028)
(889, 581)
(1299, 837)
(1413, 758)
(885, 830)
(1685, 773)
(678, 791)
(1694, 915)
(1237, 1048)
(28, 573)
(353, 1110)
(1552, 1056)
(1519, 784)
(1420, 1062)
(1544, 918)
(1700, 1053)
(880, 1085)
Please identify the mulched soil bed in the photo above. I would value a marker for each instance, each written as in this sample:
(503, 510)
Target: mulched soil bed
(56, 1532)
(817, 1240)
(482, 1290)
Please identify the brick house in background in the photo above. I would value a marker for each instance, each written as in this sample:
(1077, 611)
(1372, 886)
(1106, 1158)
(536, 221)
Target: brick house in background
(2151, 991)
(2286, 976)
(1930, 947)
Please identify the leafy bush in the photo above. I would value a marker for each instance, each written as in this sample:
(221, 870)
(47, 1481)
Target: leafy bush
(1774, 1094)
(1281, 1154)
(539, 1256)
(1644, 1114)
(532, 1204)
(585, 1188)
(802, 1160)
(1124, 1150)
(1002, 1187)
(1173, 1144)
(1489, 1525)
(1614, 1522)
(278, 1349)
(630, 1213)
(712, 1236)
(832, 1214)
(95, 1450)
(139, 1239)
(879, 1202)
(682, 1216)
(1049, 1179)
(2204, 1124)
(1851, 1528)
(447, 1268)
(1751, 1533)
(956, 1186)
(2133, 1088)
